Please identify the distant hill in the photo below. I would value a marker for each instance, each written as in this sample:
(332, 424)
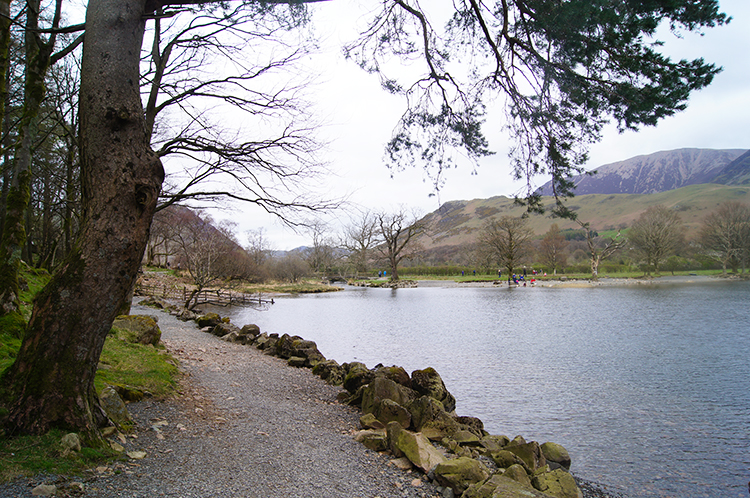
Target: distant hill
(458, 222)
(662, 171)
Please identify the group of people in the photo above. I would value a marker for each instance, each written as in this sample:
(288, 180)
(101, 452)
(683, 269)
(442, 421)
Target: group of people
(519, 279)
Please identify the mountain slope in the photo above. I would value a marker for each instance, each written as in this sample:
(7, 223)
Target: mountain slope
(735, 173)
(657, 172)
(459, 222)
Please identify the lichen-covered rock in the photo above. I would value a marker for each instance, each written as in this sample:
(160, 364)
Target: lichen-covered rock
(296, 361)
(413, 446)
(369, 421)
(518, 473)
(499, 486)
(70, 443)
(142, 329)
(154, 302)
(557, 483)
(494, 443)
(283, 348)
(465, 438)
(357, 375)
(530, 453)
(186, 315)
(504, 459)
(473, 424)
(250, 329)
(389, 411)
(429, 418)
(381, 388)
(516, 441)
(460, 473)
(376, 440)
(309, 351)
(555, 453)
(115, 408)
(129, 393)
(222, 329)
(330, 371)
(396, 374)
(208, 320)
(429, 383)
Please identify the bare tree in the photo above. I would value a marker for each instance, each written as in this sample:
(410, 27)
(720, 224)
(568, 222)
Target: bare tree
(207, 252)
(655, 235)
(725, 235)
(200, 70)
(259, 252)
(508, 239)
(600, 249)
(359, 239)
(552, 249)
(291, 268)
(321, 256)
(398, 232)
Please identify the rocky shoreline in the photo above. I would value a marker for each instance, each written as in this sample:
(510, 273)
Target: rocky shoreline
(413, 419)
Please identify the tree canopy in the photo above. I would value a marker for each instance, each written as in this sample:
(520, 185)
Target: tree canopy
(562, 70)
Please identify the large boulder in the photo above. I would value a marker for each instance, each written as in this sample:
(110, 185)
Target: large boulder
(413, 446)
(208, 320)
(381, 388)
(140, 329)
(309, 351)
(330, 371)
(396, 374)
(115, 408)
(224, 329)
(556, 454)
(428, 383)
(460, 473)
(186, 315)
(518, 473)
(430, 418)
(357, 375)
(473, 424)
(250, 329)
(505, 459)
(284, 348)
(499, 486)
(389, 411)
(530, 453)
(376, 440)
(557, 483)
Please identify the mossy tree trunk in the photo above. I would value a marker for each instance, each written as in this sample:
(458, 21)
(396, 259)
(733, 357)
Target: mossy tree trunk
(52, 377)
(4, 72)
(13, 240)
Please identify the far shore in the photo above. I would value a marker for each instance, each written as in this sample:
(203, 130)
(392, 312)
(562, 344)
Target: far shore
(604, 281)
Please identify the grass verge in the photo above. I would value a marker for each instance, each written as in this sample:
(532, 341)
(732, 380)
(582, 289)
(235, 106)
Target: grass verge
(145, 368)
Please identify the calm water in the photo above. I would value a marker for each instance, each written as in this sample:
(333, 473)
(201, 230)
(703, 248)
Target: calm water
(648, 387)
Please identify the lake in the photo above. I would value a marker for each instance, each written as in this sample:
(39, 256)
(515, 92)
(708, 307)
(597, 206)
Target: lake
(647, 386)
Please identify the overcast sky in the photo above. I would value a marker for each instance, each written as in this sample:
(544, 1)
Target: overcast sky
(360, 118)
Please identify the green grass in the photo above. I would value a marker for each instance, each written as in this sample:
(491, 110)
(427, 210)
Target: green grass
(145, 368)
(31, 455)
(307, 287)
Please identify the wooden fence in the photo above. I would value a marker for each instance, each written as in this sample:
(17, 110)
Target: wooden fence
(207, 296)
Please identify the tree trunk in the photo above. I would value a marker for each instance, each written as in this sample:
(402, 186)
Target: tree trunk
(14, 239)
(4, 85)
(52, 378)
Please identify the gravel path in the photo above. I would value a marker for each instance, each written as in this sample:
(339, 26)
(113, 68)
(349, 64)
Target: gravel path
(243, 425)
